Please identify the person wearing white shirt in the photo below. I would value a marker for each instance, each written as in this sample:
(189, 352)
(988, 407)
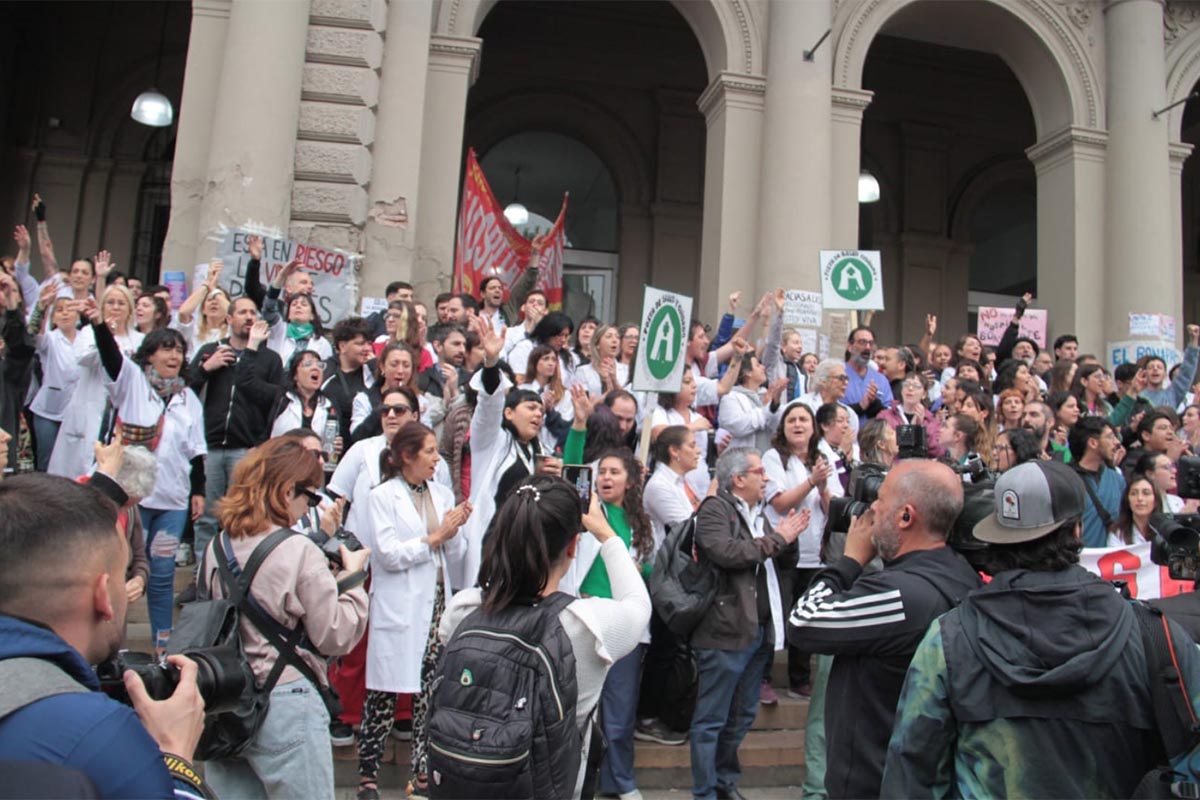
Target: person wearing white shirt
(202, 316)
(554, 330)
(532, 311)
(799, 477)
(601, 375)
(156, 409)
(556, 399)
(837, 444)
(53, 340)
(828, 384)
(747, 412)
(676, 409)
(298, 329)
(415, 526)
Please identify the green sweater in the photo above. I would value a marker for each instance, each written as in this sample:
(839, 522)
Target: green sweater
(595, 583)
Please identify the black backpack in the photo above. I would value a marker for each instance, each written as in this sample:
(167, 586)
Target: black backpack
(682, 586)
(502, 720)
(210, 623)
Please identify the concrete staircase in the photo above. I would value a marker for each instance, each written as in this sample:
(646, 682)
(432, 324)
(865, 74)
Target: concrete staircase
(771, 755)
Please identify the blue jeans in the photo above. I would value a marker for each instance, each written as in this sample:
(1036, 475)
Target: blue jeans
(218, 471)
(163, 529)
(618, 712)
(726, 704)
(45, 433)
(290, 755)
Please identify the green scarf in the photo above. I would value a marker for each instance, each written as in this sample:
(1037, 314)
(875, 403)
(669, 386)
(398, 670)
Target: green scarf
(299, 330)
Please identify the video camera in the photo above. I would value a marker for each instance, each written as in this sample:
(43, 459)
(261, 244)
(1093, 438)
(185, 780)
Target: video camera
(978, 502)
(1175, 540)
(911, 441)
(219, 676)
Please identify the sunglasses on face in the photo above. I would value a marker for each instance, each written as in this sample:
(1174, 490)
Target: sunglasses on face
(313, 498)
(399, 410)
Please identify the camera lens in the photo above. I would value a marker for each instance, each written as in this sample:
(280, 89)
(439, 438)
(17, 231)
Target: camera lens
(219, 677)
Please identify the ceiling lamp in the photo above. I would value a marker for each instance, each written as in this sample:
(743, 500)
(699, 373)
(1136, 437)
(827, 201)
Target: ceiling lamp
(516, 214)
(152, 107)
(868, 188)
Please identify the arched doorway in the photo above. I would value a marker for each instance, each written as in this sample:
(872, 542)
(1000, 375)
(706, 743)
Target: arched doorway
(633, 108)
(534, 168)
(1019, 56)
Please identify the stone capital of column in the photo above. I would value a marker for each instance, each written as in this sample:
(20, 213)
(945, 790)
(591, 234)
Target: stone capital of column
(732, 90)
(848, 105)
(218, 9)
(1067, 143)
(1179, 152)
(455, 54)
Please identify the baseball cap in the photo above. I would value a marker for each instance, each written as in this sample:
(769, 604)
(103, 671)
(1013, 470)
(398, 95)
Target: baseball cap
(1032, 500)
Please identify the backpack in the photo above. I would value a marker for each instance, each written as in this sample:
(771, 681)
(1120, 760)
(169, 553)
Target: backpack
(682, 587)
(502, 719)
(212, 624)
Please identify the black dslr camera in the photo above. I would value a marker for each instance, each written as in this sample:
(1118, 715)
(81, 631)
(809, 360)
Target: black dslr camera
(865, 481)
(219, 676)
(911, 441)
(330, 544)
(1175, 543)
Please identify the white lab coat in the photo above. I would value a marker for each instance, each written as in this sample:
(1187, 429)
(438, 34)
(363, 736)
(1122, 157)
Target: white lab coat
(493, 451)
(403, 584)
(291, 416)
(73, 453)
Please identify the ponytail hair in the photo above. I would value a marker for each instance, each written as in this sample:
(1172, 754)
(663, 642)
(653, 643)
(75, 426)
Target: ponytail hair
(526, 539)
(671, 436)
(406, 444)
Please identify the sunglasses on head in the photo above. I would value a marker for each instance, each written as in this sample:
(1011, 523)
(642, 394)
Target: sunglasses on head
(314, 499)
(399, 410)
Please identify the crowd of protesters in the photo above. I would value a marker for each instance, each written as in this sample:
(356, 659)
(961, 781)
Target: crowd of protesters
(416, 427)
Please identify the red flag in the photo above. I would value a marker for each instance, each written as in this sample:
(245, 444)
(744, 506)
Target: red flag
(489, 245)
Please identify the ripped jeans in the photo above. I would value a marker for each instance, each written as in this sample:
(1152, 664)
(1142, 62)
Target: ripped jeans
(163, 527)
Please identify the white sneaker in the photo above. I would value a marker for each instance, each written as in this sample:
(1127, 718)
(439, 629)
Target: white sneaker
(634, 795)
(183, 554)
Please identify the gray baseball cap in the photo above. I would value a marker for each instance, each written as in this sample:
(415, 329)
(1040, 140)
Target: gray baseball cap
(1032, 500)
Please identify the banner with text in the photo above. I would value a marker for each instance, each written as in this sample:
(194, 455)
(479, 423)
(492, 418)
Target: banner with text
(801, 309)
(332, 271)
(851, 279)
(661, 344)
(1128, 352)
(1152, 326)
(994, 321)
(1132, 564)
(489, 245)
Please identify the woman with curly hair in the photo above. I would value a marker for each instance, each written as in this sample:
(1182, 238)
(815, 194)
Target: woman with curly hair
(618, 485)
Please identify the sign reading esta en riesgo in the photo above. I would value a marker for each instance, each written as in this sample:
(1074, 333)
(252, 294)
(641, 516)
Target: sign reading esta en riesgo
(662, 341)
(851, 279)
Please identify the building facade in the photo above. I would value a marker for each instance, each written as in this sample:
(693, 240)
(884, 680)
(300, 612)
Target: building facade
(712, 146)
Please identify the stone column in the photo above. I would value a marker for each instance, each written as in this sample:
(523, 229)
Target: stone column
(201, 80)
(452, 67)
(846, 118)
(1070, 232)
(1142, 271)
(254, 122)
(733, 109)
(390, 244)
(794, 212)
(1179, 152)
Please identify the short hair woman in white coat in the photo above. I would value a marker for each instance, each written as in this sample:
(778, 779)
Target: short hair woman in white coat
(414, 526)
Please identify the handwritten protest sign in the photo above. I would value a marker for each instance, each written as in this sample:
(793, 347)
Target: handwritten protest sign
(1132, 564)
(801, 309)
(1152, 326)
(993, 321)
(332, 271)
(1129, 351)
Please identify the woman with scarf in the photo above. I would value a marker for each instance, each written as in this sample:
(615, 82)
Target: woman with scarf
(84, 415)
(157, 410)
(300, 403)
(504, 443)
(299, 329)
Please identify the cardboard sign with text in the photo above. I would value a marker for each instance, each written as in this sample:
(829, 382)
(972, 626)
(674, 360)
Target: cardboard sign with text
(332, 271)
(801, 309)
(993, 321)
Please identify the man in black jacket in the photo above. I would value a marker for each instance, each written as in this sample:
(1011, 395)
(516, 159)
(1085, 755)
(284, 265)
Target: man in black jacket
(236, 412)
(871, 624)
(744, 625)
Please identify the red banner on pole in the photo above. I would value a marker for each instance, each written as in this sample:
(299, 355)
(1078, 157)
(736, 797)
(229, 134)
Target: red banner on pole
(489, 245)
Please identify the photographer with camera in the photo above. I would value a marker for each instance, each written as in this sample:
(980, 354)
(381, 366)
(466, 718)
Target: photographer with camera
(872, 623)
(293, 590)
(59, 616)
(1039, 684)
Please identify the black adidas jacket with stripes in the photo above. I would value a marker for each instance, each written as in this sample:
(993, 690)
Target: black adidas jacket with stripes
(872, 625)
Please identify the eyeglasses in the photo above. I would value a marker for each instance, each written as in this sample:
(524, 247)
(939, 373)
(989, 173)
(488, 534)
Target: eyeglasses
(310, 364)
(839, 378)
(314, 499)
(399, 410)
(756, 471)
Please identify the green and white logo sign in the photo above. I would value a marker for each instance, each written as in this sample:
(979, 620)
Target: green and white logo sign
(851, 279)
(662, 341)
